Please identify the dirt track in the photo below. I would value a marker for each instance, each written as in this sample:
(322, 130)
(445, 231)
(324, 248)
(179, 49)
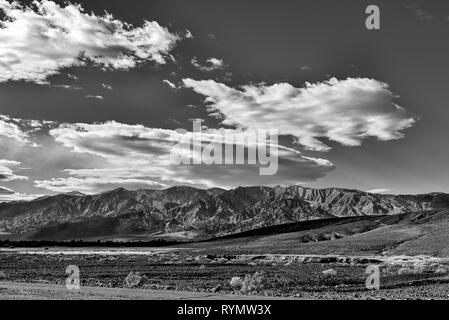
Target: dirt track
(38, 291)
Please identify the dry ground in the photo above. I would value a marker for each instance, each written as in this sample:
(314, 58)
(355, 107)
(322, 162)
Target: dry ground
(173, 273)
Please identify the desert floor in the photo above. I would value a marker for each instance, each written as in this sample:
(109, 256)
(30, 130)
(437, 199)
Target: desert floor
(193, 274)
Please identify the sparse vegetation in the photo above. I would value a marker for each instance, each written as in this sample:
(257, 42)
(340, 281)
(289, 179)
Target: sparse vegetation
(266, 274)
(255, 282)
(329, 272)
(405, 271)
(135, 279)
(441, 270)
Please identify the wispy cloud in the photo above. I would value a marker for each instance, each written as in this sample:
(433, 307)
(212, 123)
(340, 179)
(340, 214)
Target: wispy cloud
(170, 84)
(378, 191)
(6, 173)
(7, 195)
(211, 64)
(107, 86)
(96, 97)
(420, 13)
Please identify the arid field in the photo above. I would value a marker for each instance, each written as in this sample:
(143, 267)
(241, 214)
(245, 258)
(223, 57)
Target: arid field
(191, 270)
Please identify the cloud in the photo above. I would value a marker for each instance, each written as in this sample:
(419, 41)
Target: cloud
(212, 64)
(10, 129)
(19, 130)
(420, 13)
(96, 181)
(66, 86)
(107, 86)
(7, 195)
(96, 97)
(136, 156)
(188, 34)
(4, 190)
(72, 76)
(39, 40)
(6, 173)
(170, 84)
(344, 111)
(378, 191)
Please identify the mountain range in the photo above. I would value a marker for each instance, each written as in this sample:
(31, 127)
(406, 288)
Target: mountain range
(195, 213)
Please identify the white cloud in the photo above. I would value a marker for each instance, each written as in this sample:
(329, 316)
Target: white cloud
(37, 41)
(344, 111)
(211, 64)
(4, 190)
(72, 76)
(11, 130)
(90, 184)
(170, 84)
(378, 191)
(136, 156)
(6, 173)
(96, 157)
(20, 130)
(7, 195)
(66, 86)
(188, 34)
(107, 86)
(96, 97)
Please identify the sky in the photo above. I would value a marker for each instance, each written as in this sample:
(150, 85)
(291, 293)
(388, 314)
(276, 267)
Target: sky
(93, 94)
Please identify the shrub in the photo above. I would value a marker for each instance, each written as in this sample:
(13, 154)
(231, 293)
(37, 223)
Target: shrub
(135, 279)
(419, 268)
(329, 272)
(441, 270)
(255, 282)
(236, 282)
(404, 271)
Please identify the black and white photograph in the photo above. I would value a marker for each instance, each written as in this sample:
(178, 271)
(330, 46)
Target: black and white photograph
(224, 150)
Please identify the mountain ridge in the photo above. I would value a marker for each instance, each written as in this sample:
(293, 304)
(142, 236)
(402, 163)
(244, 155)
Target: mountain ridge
(207, 212)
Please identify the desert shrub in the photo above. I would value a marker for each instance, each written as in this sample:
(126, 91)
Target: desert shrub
(135, 279)
(329, 272)
(236, 282)
(404, 271)
(441, 270)
(419, 268)
(255, 282)
(388, 270)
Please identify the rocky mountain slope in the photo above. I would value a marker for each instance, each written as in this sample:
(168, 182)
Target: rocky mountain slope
(206, 212)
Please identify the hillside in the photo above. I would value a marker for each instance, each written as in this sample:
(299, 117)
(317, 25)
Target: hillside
(419, 233)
